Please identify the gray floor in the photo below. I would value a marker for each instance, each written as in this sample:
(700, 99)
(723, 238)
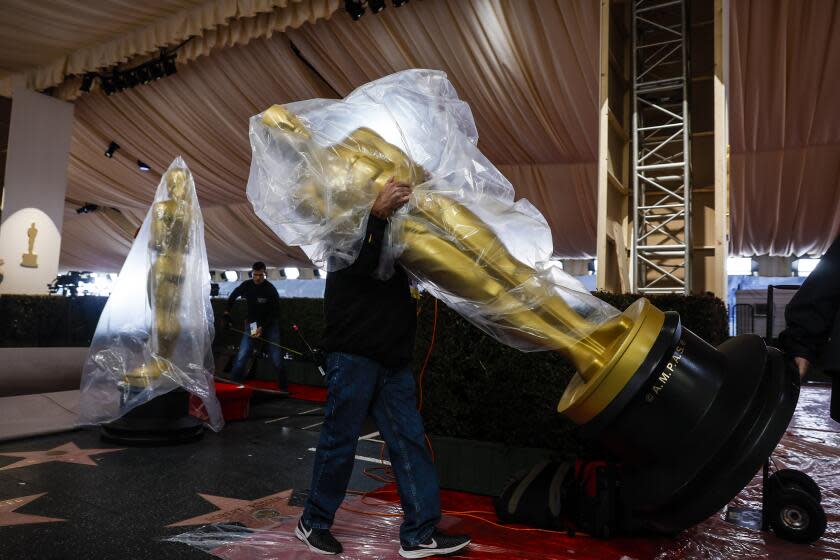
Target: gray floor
(120, 508)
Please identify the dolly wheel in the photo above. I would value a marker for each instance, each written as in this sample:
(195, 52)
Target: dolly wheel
(796, 516)
(791, 478)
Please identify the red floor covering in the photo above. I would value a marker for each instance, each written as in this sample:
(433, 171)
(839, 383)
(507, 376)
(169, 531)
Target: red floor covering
(368, 526)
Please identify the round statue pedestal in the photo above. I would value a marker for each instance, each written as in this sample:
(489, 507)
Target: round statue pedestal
(164, 420)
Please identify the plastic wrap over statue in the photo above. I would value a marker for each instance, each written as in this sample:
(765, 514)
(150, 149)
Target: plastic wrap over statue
(318, 165)
(156, 331)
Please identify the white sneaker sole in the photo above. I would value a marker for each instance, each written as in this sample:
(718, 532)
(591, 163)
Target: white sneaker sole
(426, 552)
(299, 534)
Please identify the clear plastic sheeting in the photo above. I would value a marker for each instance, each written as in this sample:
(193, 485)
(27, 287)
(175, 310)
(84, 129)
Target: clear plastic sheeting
(318, 165)
(156, 330)
(368, 526)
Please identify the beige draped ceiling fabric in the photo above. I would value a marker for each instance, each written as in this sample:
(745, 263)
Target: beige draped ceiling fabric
(784, 122)
(43, 42)
(527, 68)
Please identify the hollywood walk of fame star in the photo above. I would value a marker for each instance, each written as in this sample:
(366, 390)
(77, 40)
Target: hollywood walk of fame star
(8, 517)
(67, 453)
(255, 514)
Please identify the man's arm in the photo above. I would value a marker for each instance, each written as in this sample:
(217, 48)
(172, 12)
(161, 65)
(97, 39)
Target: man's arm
(392, 197)
(811, 313)
(234, 295)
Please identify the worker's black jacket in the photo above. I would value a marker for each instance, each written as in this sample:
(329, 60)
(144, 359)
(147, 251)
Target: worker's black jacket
(263, 301)
(367, 316)
(812, 312)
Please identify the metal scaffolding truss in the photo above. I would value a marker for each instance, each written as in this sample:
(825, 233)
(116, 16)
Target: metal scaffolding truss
(660, 149)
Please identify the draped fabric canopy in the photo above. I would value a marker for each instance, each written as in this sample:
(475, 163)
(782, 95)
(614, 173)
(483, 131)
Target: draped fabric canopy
(784, 126)
(46, 41)
(527, 69)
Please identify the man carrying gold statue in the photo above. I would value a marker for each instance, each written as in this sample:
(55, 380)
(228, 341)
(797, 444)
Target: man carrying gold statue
(369, 337)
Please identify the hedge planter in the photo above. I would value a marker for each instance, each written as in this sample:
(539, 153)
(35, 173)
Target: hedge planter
(481, 467)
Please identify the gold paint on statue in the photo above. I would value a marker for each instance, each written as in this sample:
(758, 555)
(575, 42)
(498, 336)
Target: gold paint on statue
(169, 243)
(30, 259)
(461, 254)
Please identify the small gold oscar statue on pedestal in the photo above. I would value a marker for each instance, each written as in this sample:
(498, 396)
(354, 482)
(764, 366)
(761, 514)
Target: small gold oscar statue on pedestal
(30, 259)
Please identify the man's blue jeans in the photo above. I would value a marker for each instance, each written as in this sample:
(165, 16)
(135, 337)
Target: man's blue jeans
(271, 333)
(358, 386)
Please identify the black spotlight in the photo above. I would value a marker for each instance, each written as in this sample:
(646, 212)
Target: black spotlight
(169, 67)
(108, 85)
(87, 82)
(119, 81)
(131, 78)
(87, 209)
(156, 70)
(144, 75)
(376, 6)
(398, 3)
(142, 166)
(112, 147)
(354, 8)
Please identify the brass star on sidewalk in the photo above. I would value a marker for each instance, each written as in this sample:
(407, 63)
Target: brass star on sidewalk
(67, 453)
(255, 514)
(8, 517)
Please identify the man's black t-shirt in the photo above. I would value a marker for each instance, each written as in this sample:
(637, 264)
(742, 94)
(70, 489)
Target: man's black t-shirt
(263, 301)
(367, 316)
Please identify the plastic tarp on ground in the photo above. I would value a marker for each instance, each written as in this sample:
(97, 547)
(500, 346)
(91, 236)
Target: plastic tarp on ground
(368, 526)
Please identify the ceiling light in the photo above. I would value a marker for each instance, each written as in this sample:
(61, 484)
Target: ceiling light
(142, 166)
(87, 209)
(354, 8)
(376, 6)
(112, 147)
(291, 273)
(87, 82)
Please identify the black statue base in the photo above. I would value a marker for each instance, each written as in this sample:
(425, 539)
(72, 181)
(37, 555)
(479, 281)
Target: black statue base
(164, 420)
(694, 424)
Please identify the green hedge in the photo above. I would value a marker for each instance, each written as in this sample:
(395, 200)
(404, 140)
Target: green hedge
(27, 321)
(473, 387)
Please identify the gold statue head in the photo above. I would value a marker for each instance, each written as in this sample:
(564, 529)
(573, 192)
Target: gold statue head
(176, 182)
(278, 116)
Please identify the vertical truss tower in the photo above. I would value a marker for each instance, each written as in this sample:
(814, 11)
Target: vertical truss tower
(660, 150)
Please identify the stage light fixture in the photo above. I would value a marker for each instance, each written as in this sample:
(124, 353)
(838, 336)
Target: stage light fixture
(108, 85)
(87, 209)
(87, 82)
(130, 77)
(142, 166)
(354, 8)
(156, 70)
(399, 3)
(144, 75)
(376, 6)
(169, 66)
(112, 147)
(119, 80)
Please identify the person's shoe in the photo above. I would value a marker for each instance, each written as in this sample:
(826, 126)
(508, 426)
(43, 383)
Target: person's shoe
(320, 541)
(439, 544)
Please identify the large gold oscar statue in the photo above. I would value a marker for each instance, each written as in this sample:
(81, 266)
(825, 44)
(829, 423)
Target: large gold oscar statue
(169, 243)
(449, 245)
